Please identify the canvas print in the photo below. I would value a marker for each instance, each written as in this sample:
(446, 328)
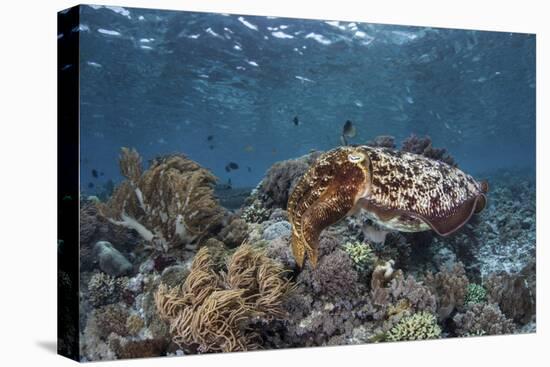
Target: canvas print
(251, 182)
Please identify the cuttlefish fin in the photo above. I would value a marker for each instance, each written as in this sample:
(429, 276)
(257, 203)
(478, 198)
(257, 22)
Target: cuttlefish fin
(332, 206)
(446, 225)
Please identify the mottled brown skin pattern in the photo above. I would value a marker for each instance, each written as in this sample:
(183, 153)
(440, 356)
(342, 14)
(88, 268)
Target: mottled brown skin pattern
(400, 191)
(324, 195)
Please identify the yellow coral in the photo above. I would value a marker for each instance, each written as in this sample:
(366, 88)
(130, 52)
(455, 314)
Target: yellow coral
(214, 311)
(170, 204)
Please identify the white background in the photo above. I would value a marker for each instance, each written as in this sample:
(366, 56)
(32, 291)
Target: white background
(28, 181)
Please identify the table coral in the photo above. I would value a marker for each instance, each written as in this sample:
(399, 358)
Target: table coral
(170, 204)
(216, 311)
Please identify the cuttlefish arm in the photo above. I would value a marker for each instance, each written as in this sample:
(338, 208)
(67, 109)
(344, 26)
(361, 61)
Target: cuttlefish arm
(325, 194)
(327, 210)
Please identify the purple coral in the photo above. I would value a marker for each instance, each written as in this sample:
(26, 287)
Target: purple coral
(383, 141)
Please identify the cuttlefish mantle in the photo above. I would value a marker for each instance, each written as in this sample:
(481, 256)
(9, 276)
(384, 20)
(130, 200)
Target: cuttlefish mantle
(397, 190)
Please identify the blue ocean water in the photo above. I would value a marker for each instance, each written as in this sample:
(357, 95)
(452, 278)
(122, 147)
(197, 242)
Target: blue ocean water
(256, 90)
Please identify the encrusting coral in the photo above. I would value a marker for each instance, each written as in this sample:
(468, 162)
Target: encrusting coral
(216, 311)
(170, 204)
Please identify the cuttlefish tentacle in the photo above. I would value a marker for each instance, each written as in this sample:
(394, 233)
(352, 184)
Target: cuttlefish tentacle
(329, 209)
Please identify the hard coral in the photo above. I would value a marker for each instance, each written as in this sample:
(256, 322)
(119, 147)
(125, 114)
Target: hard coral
(423, 146)
(419, 326)
(216, 311)
(170, 204)
(475, 294)
(104, 289)
(482, 319)
(361, 254)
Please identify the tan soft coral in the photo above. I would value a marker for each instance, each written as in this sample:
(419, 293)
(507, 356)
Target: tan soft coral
(216, 311)
(170, 204)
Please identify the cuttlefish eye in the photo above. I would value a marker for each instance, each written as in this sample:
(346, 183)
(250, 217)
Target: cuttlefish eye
(356, 157)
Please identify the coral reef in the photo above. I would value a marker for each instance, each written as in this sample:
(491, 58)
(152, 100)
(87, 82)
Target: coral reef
(170, 205)
(482, 319)
(383, 141)
(281, 178)
(419, 326)
(216, 312)
(104, 289)
(423, 146)
(512, 294)
(235, 233)
(450, 287)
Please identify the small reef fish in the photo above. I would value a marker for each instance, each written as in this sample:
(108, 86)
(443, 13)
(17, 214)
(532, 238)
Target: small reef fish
(210, 137)
(348, 131)
(249, 169)
(296, 120)
(233, 165)
(94, 173)
(90, 185)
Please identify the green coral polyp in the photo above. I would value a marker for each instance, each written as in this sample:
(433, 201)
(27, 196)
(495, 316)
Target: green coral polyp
(475, 294)
(419, 326)
(361, 254)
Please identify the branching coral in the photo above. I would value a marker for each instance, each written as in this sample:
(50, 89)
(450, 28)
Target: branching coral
(216, 311)
(482, 319)
(361, 254)
(475, 294)
(450, 287)
(418, 326)
(170, 204)
(384, 141)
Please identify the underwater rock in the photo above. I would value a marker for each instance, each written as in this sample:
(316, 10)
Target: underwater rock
(174, 275)
(281, 178)
(111, 261)
(277, 230)
(235, 233)
(279, 249)
(278, 215)
(94, 228)
(382, 141)
(170, 205)
(482, 319)
(423, 146)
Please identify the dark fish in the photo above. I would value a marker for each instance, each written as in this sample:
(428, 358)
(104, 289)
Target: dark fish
(94, 173)
(211, 147)
(227, 169)
(249, 169)
(295, 120)
(91, 185)
(229, 182)
(348, 131)
(233, 165)
(210, 137)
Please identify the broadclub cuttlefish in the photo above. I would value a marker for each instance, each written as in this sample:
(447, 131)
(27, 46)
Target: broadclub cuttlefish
(398, 191)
